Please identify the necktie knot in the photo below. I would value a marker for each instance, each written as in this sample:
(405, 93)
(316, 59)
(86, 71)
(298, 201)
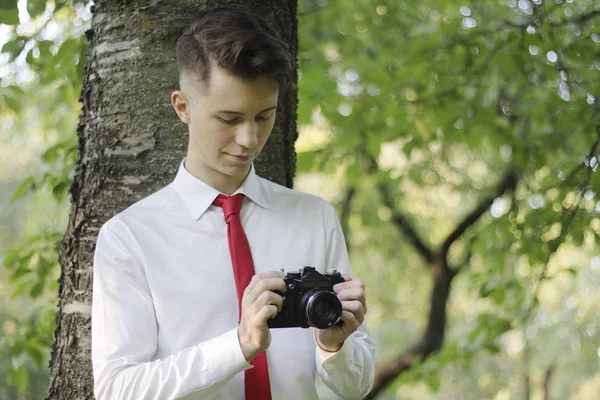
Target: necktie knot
(231, 204)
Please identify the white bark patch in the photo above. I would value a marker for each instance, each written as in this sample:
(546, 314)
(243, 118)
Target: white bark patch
(112, 52)
(77, 308)
(134, 146)
(133, 180)
(119, 76)
(126, 189)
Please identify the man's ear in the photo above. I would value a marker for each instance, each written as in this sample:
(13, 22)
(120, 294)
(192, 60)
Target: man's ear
(179, 102)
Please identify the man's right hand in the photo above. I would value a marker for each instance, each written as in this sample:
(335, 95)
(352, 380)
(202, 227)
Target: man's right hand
(259, 304)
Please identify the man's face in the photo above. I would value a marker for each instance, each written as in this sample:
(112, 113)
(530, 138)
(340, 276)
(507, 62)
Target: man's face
(229, 120)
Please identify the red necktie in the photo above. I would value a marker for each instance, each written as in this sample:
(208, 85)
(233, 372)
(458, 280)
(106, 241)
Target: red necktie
(257, 378)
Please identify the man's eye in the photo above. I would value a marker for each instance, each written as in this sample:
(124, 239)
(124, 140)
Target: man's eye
(228, 121)
(263, 117)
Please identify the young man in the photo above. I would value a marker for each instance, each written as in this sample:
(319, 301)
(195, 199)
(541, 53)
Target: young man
(175, 314)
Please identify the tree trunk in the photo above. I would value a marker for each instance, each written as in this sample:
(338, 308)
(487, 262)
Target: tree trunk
(131, 143)
(433, 337)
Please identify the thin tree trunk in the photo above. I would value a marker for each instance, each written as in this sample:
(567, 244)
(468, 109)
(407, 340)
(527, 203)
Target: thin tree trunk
(526, 375)
(442, 273)
(433, 337)
(547, 380)
(130, 145)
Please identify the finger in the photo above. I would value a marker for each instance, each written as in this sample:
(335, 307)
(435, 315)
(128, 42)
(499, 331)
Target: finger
(346, 277)
(264, 285)
(266, 313)
(349, 284)
(269, 298)
(356, 308)
(349, 320)
(264, 275)
(355, 293)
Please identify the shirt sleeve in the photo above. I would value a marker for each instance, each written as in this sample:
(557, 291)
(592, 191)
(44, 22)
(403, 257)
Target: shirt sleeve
(125, 334)
(350, 371)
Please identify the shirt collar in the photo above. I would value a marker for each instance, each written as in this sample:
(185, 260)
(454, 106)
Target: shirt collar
(198, 196)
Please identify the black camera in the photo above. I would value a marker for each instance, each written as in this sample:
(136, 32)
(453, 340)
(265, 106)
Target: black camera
(309, 300)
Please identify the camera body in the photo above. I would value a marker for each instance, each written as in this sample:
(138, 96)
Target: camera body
(309, 300)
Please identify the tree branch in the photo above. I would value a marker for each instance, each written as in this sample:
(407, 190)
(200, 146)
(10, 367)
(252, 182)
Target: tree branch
(433, 337)
(566, 218)
(578, 19)
(508, 183)
(398, 219)
(547, 378)
(405, 226)
(345, 213)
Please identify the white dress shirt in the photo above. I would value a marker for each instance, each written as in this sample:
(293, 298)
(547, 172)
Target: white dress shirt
(165, 313)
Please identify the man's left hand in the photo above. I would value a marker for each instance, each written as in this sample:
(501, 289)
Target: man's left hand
(354, 307)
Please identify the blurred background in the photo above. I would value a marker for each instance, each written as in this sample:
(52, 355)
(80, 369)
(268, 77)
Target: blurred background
(459, 142)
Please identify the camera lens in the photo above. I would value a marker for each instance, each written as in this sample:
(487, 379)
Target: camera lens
(323, 308)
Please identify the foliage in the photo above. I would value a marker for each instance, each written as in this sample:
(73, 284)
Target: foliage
(434, 101)
(43, 54)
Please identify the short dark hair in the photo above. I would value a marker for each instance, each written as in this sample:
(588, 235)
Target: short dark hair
(236, 41)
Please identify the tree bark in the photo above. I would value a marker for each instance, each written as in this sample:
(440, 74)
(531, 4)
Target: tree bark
(131, 144)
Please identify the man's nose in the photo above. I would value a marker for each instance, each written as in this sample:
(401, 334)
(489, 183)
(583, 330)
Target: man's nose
(247, 135)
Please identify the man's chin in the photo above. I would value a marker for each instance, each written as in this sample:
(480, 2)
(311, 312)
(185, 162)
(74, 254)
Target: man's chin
(236, 170)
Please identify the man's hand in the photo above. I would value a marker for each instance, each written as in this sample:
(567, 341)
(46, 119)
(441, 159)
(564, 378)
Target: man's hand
(259, 304)
(354, 307)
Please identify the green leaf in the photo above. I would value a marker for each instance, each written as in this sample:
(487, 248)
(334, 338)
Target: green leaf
(18, 273)
(12, 257)
(353, 174)
(28, 185)
(492, 347)
(29, 58)
(571, 271)
(410, 145)
(9, 17)
(36, 7)
(305, 161)
(19, 290)
(16, 90)
(8, 4)
(21, 379)
(433, 381)
(53, 286)
(81, 61)
(67, 49)
(49, 156)
(37, 289)
(45, 52)
(498, 295)
(577, 235)
(13, 103)
(43, 268)
(60, 189)
(415, 174)
(14, 47)
(36, 352)
(373, 146)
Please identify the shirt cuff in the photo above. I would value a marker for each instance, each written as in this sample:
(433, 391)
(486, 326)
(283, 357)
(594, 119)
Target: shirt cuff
(342, 356)
(224, 356)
